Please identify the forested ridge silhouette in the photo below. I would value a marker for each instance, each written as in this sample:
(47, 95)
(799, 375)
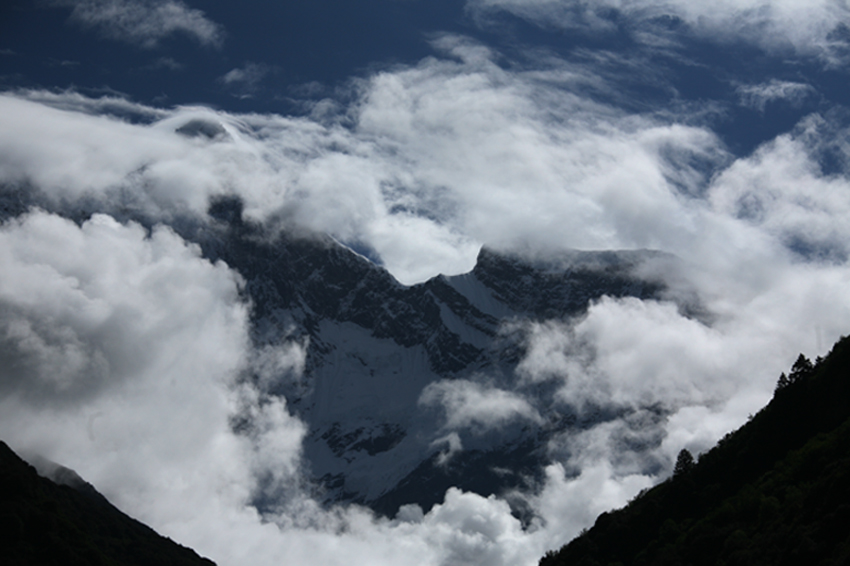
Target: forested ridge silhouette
(774, 492)
(43, 523)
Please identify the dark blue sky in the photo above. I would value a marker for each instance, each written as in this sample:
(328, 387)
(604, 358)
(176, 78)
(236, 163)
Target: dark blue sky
(295, 43)
(297, 51)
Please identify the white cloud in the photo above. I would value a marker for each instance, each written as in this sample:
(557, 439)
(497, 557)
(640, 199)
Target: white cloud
(476, 406)
(556, 169)
(648, 353)
(429, 162)
(782, 190)
(453, 444)
(436, 152)
(552, 352)
(595, 490)
(115, 104)
(153, 433)
(758, 96)
(144, 22)
(270, 362)
(124, 347)
(247, 78)
(801, 25)
(636, 354)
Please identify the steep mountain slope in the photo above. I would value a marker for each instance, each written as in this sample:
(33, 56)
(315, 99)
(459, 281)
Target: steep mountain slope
(382, 358)
(43, 523)
(385, 375)
(776, 491)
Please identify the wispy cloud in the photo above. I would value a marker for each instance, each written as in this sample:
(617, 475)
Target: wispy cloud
(758, 96)
(165, 63)
(245, 80)
(111, 103)
(63, 63)
(781, 189)
(144, 22)
(476, 406)
(425, 164)
(809, 27)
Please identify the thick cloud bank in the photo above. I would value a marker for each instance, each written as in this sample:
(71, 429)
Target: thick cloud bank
(124, 350)
(119, 348)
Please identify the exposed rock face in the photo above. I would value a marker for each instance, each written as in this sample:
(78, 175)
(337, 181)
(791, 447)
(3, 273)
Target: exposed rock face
(386, 370)
(374, 346)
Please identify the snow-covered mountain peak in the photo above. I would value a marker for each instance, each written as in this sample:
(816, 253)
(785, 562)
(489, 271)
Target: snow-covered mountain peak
(393, 372)
(407, 390)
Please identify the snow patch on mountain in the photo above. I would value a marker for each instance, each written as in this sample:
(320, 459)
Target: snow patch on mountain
(424, 385)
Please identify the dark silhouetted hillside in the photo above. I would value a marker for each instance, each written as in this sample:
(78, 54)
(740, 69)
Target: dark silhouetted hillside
(774, 492)
(44, 524)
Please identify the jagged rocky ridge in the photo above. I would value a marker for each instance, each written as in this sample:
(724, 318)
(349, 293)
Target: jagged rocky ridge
(375, 347)
(381, 356)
